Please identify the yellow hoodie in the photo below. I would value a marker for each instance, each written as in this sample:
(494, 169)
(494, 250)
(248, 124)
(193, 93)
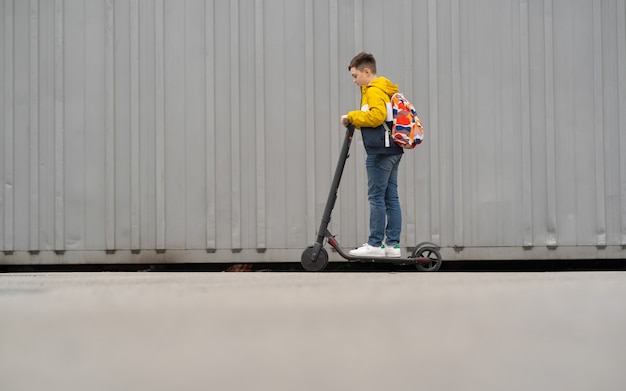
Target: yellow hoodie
(374, 99)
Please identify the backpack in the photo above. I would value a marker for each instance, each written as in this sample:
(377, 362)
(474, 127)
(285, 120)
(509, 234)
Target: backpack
(407, 130)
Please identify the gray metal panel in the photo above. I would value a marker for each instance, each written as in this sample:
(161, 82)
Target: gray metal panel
(209, 129)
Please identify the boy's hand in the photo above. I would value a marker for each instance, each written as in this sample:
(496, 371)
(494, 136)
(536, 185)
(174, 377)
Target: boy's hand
(344, 120)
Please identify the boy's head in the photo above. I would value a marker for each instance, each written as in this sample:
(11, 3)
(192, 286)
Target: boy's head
(363, 68)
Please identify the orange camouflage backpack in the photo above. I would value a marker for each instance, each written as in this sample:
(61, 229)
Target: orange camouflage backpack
(407, 130)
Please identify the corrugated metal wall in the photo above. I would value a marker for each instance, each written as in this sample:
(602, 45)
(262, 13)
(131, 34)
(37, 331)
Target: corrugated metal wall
(203, 130)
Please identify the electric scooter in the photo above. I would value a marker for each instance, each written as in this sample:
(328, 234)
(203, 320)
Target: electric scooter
(425, 256)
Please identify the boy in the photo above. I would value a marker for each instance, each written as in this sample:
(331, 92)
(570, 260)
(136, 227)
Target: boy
(383, 158)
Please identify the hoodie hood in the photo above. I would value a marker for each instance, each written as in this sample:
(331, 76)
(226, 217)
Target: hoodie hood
(384, 84)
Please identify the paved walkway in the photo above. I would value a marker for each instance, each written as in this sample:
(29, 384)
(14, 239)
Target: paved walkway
(301, 331)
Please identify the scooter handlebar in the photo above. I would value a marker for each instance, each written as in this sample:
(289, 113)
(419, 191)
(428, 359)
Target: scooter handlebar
(348, 125)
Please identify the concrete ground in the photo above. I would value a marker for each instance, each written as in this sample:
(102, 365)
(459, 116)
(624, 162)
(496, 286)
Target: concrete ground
(308, 331)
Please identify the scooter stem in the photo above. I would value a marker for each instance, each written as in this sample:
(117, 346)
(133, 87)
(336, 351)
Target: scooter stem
(332, 194)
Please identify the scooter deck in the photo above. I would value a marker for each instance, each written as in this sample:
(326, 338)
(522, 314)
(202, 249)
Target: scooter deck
(389, 260)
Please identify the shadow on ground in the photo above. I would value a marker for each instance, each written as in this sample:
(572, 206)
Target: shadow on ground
(338, 267)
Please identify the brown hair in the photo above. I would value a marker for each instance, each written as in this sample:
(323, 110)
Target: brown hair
(363, 60)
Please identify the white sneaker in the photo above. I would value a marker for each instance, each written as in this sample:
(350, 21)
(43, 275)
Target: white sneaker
(392, 252)
(368, 251)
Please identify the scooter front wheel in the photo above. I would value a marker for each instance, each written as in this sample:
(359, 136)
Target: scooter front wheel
(316, 265)
(428, 259)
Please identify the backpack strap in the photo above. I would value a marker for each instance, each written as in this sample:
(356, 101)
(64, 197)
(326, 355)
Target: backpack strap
(389, 118)
(387, 134)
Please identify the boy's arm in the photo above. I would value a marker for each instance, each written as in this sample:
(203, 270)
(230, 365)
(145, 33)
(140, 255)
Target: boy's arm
(376, 113)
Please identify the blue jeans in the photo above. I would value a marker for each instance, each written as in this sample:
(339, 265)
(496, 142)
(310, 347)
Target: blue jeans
(382, 192)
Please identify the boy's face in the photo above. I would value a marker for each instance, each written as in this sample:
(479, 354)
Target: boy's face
(360, 78)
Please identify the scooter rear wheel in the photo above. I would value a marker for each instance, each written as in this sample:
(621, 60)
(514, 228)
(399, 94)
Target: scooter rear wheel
(314, 265)
(428, 259)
